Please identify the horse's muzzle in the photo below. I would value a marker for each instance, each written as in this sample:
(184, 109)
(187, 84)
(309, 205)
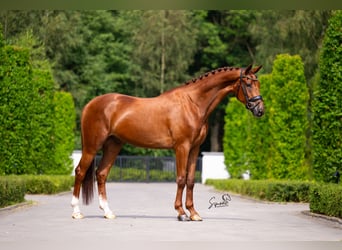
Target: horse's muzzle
(256, 107)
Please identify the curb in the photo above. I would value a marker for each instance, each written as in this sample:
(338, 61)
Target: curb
(324, 217)
(18, 206)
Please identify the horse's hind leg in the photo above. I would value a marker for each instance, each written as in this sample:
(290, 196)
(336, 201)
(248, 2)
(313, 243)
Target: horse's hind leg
(111, 149)
(80, 173)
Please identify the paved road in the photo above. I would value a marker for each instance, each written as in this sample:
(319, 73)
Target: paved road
(145, 212)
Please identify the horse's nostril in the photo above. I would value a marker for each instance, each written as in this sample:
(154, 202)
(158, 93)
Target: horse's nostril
(259, 113)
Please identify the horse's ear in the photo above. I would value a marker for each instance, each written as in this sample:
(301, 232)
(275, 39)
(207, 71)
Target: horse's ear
(248, 69)
(255, 70)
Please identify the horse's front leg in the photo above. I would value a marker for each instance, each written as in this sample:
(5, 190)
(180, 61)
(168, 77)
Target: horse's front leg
(190, 183)
(110, 151)
(181, 162)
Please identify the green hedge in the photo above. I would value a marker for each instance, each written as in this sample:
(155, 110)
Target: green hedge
(280, 191)
(274, 146)
(140, 175)
(12, 190)
(45, 184)
(326, 199)
(327, 103)
(64, 125)
(14, 187)
(323, 198)
(36, 122)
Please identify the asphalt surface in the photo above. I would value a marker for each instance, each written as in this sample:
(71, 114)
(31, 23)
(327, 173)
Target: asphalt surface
(145, 213)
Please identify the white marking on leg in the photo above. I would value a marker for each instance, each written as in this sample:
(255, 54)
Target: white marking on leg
(76, 214)
(105, 207)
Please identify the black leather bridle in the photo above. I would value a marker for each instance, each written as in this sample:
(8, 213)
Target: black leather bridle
(250, 102)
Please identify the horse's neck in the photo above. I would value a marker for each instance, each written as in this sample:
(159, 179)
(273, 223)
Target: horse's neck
(209, 91)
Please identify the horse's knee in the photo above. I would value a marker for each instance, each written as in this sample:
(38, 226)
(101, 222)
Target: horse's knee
(101, 176)
(78, 173)
(190, 183)
(181, 181)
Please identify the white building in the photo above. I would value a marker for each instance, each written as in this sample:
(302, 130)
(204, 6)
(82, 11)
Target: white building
(213, 166)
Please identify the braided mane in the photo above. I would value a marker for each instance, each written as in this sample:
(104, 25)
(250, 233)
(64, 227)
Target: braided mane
(213, 72)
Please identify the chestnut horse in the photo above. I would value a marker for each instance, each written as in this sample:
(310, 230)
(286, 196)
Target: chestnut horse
(177, 119)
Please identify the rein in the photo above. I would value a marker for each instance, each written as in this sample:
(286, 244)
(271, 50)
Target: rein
(249, 101)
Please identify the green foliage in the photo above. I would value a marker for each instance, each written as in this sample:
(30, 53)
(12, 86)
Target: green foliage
(46, 184)
(14, 187)
(273, 146)
(41, 120)
(223, 38)
(326, 199)
(37, 134)
(16, 94)
(259, 138)
(323, 198)
(64, 125)
(12, 191)
(280, 191)
(95, 52)
(327, 104)
(141, 175)
(161, 61)
(236, 132)
(289, 31)
(287, 118)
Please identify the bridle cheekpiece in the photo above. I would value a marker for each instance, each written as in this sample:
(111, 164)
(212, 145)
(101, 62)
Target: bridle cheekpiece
(250, 102)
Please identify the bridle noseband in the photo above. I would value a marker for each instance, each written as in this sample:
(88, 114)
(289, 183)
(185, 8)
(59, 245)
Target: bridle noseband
(250, 102)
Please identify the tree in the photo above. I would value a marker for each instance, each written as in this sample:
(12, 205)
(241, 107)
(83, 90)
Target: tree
(289, 31)
(327, 105)
(164, 42)
(223, 40)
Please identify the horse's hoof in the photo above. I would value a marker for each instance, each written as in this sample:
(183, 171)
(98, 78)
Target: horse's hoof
(110, 216)
(183, 217)
(196, 217)
(77, 216)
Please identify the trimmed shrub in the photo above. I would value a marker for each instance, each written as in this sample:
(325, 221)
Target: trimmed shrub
(140, 175)
(64, 135)
(280, 191)
(327, 104)
(326, 199)
(15, 98)
(236, 133)
(12, 191)
(14, 187)
(45, 184)
(323, 198)
(287, 119)
(275, 145)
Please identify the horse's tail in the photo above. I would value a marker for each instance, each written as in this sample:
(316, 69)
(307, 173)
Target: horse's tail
(88, 184)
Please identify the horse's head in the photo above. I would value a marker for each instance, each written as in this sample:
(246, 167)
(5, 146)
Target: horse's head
(248, 90)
